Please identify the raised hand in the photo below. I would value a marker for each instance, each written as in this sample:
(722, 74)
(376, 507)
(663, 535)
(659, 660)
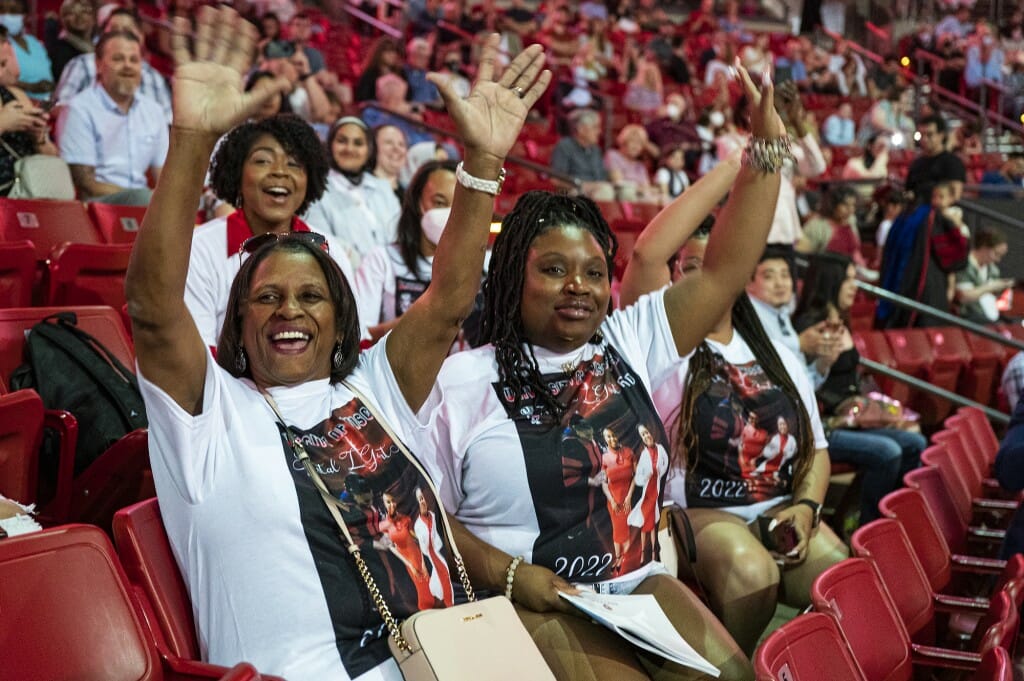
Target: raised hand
(208, 95)
(765, 121)
(490, 118)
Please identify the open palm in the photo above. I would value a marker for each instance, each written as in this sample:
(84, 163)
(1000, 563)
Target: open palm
(490, 118)
(208, 95)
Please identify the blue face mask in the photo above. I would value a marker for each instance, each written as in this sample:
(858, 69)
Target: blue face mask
(13, 23)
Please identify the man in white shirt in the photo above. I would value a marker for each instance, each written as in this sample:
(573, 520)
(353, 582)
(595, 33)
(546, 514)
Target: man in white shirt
(771, 292)
(110, 135)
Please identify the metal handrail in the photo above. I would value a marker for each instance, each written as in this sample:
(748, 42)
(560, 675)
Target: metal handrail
(927, 387)
(992, 214)
(950, 319)
(573, 182)
(354, 11)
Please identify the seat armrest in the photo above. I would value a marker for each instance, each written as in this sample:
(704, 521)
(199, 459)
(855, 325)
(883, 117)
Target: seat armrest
(66, 426)
(945, 657)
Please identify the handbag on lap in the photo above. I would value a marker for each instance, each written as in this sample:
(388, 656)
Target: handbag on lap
(39, 176)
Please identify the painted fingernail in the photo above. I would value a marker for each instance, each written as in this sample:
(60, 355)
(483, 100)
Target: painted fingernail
(773, 524)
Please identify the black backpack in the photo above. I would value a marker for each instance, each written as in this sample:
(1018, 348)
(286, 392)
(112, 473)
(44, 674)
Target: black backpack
(74, 372)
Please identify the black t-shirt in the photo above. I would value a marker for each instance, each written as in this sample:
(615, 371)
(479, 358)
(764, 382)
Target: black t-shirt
(927, 171)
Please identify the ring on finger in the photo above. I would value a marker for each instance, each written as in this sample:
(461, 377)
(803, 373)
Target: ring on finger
(518, 90)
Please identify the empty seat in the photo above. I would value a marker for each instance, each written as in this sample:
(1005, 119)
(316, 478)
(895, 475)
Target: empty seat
(88, 274)
(71, 614)
(47, 224)
(981, 382)
(17, 273)
(807, 648)
(117, 224)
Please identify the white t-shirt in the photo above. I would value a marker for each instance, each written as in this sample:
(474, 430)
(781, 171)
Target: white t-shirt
(385, 287)
(270, 581)
(362, 217)
(524, 484)
(739, 472)
(211, 270)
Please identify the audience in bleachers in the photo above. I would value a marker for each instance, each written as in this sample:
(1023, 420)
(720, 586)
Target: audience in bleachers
(36, 78)
(393, 157)
(23, 127)
(78, 23)
(882, 451)
(81, 73)
(1012, 382)
(580, 156)
(112, 135)
(357, 207)
(834, 229)
(979, 284)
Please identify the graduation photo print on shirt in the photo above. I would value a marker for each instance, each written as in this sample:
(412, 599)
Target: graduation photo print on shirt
(595, 475)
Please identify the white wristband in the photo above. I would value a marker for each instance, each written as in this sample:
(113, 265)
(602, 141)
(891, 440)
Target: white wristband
(492, 187)
(510, 575)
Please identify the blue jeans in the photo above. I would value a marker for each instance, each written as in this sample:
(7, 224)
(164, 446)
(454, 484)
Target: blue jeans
(882, 454)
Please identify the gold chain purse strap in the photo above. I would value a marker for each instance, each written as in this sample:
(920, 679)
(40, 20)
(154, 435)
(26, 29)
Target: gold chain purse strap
(346, 536)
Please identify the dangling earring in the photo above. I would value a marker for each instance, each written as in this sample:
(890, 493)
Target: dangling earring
(338, 357)
(240, 361)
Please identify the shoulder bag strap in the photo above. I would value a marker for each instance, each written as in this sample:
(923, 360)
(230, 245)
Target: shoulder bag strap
(17, 157)
(346, 536)
(456, 556)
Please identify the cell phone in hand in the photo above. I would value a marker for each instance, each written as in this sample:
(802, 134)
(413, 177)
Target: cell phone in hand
(780, 539)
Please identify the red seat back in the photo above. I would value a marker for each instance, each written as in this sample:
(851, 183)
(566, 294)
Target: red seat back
(102, 322)
(928, 480)
(88, 274)
(984, 437)
(17, 273)
(852, 593)
(47, 224)
(955, 439)
(999, 626)
(996, 665)
(874, 346)
(117, 224)
(21, 431)
(886, 544)
(908, 506)
(981, 381)
(68, 610)
(146, 555)
(807, 648)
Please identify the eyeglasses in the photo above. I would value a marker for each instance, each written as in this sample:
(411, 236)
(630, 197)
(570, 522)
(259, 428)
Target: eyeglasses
(255, 243)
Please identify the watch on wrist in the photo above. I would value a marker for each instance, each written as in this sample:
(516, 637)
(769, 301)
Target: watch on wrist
(815, 508)
(492, 187)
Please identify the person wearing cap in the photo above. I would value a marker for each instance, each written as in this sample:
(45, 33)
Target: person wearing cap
(357, 207)
(270, 170)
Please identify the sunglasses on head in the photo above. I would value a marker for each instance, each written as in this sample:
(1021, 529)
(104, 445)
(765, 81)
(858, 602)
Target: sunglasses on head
(255, 243)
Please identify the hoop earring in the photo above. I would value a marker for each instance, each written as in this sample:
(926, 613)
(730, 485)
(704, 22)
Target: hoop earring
(338, 357)
(240, 362)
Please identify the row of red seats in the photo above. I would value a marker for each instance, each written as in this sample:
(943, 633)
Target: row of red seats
(74, 613)
(947, 357)
(878, 614)
(64, 252)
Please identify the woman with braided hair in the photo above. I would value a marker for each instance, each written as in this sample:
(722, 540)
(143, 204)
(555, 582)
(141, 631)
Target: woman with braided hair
(556, 356)
(746, 440)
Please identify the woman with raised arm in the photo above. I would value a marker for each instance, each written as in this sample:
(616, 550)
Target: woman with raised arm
(745, 437)
(519, 422)
(270, 580)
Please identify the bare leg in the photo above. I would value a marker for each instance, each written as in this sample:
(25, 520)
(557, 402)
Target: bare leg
(738, 574)
(700, 628)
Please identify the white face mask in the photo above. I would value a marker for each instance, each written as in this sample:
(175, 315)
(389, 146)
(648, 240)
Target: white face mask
(433, 223)
(673, 111)
(13, 23)
(717, 119)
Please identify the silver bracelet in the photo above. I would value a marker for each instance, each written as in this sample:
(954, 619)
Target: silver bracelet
(492, 187)
(510, 575)
(768, 155)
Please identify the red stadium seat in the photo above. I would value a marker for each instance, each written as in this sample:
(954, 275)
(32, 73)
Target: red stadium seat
(934, 355)
(873, 345)
(102, 322)
(807, 648)
(146, 555)
(21, 432)
(47, 224)
(117, 224)
(76, 615)
(17, 273)
(981, 382)
(852, 593)
(88, 274)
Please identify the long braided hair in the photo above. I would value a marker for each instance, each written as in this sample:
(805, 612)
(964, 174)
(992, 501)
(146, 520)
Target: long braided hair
(747, 324)
(535, 213)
